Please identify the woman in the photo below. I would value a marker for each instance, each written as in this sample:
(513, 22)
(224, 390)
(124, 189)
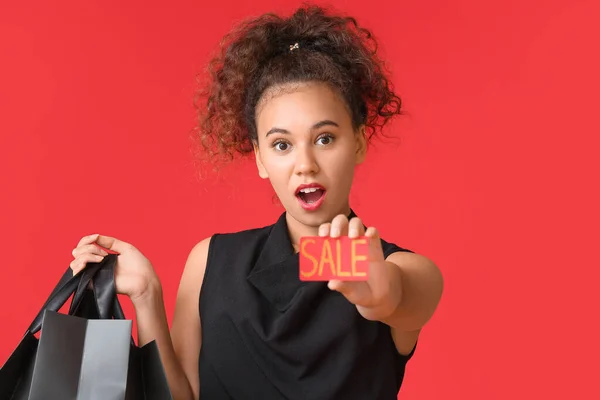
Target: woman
(304, 94)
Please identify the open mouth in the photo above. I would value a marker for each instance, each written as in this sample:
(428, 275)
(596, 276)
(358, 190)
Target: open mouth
(310, 196)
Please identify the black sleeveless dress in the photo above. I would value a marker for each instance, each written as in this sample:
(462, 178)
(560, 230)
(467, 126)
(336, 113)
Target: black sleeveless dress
(267, 335)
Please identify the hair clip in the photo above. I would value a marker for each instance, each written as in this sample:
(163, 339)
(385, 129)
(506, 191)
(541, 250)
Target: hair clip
(294, 46)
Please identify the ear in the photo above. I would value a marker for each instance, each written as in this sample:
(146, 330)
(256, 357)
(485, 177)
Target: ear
(262, 172)
(361, 144)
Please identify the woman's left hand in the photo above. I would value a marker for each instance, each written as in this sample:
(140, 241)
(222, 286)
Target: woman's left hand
(379, 296)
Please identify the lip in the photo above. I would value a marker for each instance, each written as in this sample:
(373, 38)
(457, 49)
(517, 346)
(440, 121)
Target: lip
(316, 204)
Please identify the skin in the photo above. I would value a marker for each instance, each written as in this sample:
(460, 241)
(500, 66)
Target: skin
(294, 146)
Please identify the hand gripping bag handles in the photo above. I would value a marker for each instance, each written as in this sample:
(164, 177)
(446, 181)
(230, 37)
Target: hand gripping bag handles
(87, 354)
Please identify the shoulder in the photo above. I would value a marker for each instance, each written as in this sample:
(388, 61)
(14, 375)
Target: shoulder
(195, 266)
(408, 259)
(390, 248)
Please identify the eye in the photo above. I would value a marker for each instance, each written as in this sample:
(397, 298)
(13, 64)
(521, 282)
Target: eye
(281, 145)
(325, 139)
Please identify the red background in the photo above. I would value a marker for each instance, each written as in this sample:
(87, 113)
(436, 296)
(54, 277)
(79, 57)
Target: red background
(495, 174)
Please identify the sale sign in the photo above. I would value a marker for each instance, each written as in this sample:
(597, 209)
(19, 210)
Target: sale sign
(327, 258)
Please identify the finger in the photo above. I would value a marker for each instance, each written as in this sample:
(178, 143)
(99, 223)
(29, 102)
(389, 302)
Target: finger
(355, 228)
(344, 287)
(339, 226)
(88, 248)
(375, 248)
(87, 240)
(80, 262)
(324, 229)
(336, 285)
(113, 244)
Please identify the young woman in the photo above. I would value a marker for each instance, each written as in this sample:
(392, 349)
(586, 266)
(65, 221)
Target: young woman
(304, 94)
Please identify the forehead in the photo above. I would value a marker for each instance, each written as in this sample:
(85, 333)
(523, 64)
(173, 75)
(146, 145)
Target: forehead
(300, 105)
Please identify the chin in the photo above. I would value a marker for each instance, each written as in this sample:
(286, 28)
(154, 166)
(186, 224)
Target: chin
(312, 218)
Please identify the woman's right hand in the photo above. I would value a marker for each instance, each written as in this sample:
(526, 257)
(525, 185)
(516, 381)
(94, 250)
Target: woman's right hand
(134, 274)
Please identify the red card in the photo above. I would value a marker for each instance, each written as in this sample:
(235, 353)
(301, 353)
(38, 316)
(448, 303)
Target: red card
(327, 258)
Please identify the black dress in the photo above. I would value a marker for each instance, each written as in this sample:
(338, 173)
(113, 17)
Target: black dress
(267, 335)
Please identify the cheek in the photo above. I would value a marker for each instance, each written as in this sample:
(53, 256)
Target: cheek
(279, 170)
(278, 165)
(341, 167)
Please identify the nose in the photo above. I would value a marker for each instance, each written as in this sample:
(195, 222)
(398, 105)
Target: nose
(306, 162)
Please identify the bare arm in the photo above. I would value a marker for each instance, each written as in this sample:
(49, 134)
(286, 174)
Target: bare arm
(135, 277)
(422, 285)
(152, 325)
(180, 349)
(186, 332)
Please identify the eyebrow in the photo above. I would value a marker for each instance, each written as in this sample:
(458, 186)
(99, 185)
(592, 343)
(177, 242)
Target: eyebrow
(316, 126)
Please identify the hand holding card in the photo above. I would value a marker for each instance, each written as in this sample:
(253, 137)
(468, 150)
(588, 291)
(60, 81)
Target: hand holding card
(351, 260)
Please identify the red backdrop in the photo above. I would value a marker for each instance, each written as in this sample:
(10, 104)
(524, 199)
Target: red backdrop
(495, 175)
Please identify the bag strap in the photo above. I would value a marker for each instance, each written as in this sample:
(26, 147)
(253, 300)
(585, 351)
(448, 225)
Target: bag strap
(101, 276)
(73, 285)
(105, 291)
(59, 296)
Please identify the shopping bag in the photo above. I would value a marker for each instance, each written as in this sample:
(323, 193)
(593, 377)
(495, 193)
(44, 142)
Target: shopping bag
(17, 372)
(86, 354)
(79, 358)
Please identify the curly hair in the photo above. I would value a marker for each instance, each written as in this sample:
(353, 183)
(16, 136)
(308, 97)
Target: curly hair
(269, 51)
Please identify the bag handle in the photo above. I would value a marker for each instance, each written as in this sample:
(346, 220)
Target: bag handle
(102, 280)
(104, 290)
(106, 293)
(66, 286)
(101, 276)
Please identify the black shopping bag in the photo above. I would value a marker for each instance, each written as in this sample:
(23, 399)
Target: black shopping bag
(85, 354)
(80, 358)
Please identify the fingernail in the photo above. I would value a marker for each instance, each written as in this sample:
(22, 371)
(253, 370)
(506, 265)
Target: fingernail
(352, 233)
(334, 232)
